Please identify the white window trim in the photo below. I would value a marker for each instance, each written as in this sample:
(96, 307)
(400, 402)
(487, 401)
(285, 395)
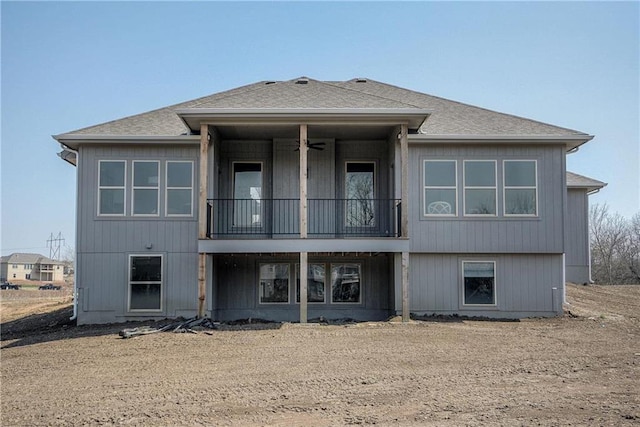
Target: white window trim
(129, 282)
(295, 291)
(426, 187)
(288, 282)
(134, 188)
(375, 192)
(465, 187)
(505, 188)
(167, 188)
(495, 283)
(110, 187)
(361, 294)
(233, 194)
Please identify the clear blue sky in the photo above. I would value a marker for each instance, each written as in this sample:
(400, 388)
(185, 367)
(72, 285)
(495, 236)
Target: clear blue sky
(66, 65)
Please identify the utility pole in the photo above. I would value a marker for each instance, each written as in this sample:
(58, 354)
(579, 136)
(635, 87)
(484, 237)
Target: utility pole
(54, 244)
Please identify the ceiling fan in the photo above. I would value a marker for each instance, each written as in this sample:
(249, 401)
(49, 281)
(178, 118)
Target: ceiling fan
(313, 145)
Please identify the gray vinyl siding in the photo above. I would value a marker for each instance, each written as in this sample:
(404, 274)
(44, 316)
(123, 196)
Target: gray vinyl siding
(577, 245)
(236, 280)
(541, 234)
(105, 243)
(524, 284)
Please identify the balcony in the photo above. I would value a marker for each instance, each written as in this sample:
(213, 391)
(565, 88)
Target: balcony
(280, 218)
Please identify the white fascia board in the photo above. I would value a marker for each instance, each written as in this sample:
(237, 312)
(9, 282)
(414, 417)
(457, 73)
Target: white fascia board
(74, 140)
(570, 141)
(194, 116)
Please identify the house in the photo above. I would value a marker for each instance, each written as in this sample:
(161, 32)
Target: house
(389, 201)
(577, 248)
(26, 266)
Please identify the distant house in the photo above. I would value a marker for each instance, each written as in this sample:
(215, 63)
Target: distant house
(578, 251)
(26, 266)
(297, 199)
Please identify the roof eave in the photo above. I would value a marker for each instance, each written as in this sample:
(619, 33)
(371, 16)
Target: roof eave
(75, 140)
(195, 117)
(570, 141)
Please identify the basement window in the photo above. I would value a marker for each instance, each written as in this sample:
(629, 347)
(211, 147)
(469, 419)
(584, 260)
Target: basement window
(479, 280)
(274, 283)
(346, 283)
(145, 282)
(315, 283)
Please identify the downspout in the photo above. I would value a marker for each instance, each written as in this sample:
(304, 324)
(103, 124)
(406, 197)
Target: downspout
(75, 258)
(594, 191)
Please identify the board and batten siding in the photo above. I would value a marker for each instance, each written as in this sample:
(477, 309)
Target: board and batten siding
(105, 242)
(524, 284)
(577, 245)
(541, 234)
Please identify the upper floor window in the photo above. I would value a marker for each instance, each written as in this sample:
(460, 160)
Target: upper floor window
(440, 187)
(111, 187)
(480, 187)
(179, 198)
(247, 194)
(145, 188)
(520, 187)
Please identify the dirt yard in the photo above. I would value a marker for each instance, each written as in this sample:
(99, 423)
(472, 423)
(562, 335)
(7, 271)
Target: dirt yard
(581, 369)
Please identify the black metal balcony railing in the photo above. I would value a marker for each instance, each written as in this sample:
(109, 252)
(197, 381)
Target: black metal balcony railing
(326, 218)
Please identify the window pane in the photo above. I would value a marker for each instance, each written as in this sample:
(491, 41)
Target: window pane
(440, 202)
(111, 201)
(520, 174)
(520, 202)
(480, 202)
(112, 174)
(274, 283)
(440, 174)
(179, 174)
(145, 201)
(146, 269)
(479, 283)
(345, 283)
(360, 181)
(247, 192)
(315, 283)
(145, 174)
(145, 296)
(479, 174)
(179, 202)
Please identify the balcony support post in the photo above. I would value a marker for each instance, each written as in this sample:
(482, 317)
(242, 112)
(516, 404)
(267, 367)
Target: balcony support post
(303, 222)
(404, 160)
(202, 217)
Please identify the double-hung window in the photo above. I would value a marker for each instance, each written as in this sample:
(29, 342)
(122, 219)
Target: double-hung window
(111, 187)
(146, 185)
(520, 187)
(145, 282)
(440, 188)
(179, 182)
(480, 187)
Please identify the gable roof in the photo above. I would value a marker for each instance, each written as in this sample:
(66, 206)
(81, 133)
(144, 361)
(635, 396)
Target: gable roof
(27, 258)
(580, 181)
(447, 117)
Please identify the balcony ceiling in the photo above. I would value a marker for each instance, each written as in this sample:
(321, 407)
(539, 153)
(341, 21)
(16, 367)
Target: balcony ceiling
(336, 131)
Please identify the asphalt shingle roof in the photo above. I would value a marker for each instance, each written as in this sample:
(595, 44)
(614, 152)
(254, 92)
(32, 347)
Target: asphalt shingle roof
(27, 258)
(580, 181)
(448, 117)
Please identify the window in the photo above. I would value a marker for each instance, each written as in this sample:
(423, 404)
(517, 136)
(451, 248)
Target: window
(179, 197)
(315, 283)
(145, 188)
(247, 194)
(360, 192)
(274, 283)
(145, 282)
(440, 187)
(15, 266)
(345, 283)
(520, 187)
(479, 282)
(480, 187)
(111, 184)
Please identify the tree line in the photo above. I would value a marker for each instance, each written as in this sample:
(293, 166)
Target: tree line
(615, 247)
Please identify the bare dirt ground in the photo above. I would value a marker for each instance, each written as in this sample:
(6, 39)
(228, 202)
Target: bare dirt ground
(580, 369)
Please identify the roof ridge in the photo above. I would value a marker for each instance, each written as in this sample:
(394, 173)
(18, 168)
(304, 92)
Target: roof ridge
(368, 94)
(481, 108)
